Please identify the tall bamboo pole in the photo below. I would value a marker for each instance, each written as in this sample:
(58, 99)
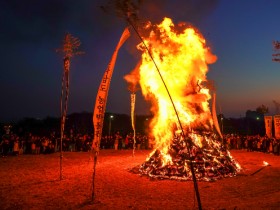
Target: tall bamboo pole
(133, 99)
(69, 49)
(187, 140)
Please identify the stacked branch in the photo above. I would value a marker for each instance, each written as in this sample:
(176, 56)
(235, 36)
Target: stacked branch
(211, 161)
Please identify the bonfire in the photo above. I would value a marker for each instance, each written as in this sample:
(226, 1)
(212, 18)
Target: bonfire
(172, 77)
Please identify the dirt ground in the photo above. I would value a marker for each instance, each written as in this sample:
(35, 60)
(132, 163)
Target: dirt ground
(33, 182)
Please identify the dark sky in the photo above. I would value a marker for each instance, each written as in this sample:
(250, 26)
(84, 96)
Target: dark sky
(239, 32)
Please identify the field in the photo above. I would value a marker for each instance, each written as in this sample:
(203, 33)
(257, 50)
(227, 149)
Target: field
(33, 182)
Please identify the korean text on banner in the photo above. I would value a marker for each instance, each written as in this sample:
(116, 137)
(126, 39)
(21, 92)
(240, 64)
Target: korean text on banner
(277, 126)
(101, 98)
(268, 126)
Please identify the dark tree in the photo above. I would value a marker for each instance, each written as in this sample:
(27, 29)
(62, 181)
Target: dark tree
(262, 109)
(276, 48)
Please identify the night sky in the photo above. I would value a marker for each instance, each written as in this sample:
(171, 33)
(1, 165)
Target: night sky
(239, 32)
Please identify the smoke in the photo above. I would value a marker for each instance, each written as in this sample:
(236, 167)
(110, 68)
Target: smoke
(133, 78)
(139, 13)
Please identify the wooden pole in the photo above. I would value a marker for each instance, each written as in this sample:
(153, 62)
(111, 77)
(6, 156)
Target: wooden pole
(188, 141)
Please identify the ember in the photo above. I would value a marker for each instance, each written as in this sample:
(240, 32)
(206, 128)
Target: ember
(182, 126)
(265, 163)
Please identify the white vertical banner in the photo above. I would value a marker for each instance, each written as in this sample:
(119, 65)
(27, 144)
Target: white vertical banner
(133, 98)
(214, 115)
(268, 126)
(277, 126)
(101, 98)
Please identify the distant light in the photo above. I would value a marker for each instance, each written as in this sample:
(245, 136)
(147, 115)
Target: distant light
(111, 116)
(258, 118)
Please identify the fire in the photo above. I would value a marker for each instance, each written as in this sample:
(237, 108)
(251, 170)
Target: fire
(179, 64)
(182, 58)
(265, 163)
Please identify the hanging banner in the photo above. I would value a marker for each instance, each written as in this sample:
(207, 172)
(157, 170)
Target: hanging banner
(214, 115)
(101, 98)
(132, 99)
(277, 126)
(268, 126)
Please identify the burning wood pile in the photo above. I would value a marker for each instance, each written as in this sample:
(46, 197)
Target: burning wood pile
(211, 161)
(172, 77)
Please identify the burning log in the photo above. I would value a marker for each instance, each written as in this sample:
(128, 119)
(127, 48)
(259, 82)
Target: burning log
(211, 162)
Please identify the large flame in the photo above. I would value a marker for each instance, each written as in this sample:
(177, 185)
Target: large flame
(172, 76)
(181, 56)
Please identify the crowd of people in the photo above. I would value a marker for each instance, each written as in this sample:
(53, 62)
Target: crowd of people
(253, 143)
(119, 141)
(13, 144)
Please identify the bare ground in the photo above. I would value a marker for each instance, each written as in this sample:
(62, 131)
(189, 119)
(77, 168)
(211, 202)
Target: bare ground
(33, 182)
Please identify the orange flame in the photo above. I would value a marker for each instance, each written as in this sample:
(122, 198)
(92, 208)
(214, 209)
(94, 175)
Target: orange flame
(133, 78)
(265, 163)
(181, 55)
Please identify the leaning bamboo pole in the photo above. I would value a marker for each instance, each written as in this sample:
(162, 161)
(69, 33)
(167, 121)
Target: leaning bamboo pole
(100, 105)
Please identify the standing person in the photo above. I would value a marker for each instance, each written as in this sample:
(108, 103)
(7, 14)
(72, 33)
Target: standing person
(21, 145)
(259, 144)
(116, 143)
(126, 141)
(78, 142)
(106, 142)
(38, 145)
(123, 143)
(111, 142)
(72, 146)
(29, 141)
(276, 147)
(16, 146)
(250, 144)
(102, 142)
(33, 145)
(120, 139)
(138, 141)
(146, 141)
(117, 136)
(271, 145)
(11, 143)
(5, 145)
(268, 143)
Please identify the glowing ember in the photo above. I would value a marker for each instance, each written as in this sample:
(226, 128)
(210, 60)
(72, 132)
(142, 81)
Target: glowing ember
(181, 55)
(265, 163)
